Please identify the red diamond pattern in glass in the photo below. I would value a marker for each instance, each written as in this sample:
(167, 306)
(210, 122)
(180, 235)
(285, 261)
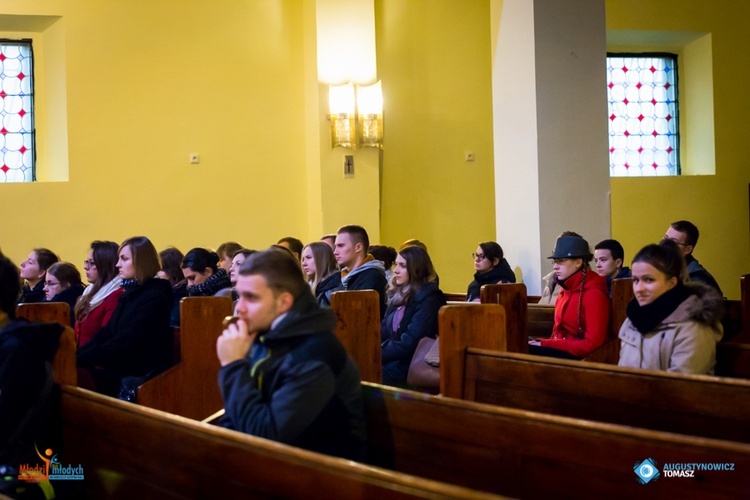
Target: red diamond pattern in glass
(638, 128)
(16, 92)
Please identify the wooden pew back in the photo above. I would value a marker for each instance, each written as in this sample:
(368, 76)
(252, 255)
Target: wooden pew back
(358, 328)
(512, 296)
(486, 322)
(128, 451)
(191, 387)
(686, 404)
(46, 312)
(64, 364)
(532, 455)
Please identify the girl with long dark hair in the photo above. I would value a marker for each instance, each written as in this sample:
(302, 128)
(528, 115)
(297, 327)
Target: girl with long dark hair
(412, 313)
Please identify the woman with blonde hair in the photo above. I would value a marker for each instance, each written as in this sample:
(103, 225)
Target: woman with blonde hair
(137, 343)
(321, 271)
(583, 308)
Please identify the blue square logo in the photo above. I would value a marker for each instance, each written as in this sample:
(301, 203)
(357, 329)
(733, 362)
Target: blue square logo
(646, 471)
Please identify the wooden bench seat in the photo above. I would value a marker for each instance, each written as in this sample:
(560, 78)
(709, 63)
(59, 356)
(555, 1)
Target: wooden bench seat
(697, 405)
(526, 454)
(128, 451)
(46, 312)
(358, 328)
(191, 387)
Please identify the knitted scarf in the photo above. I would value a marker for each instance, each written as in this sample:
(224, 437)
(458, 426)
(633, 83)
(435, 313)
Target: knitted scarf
(217, 281)
(646, 318)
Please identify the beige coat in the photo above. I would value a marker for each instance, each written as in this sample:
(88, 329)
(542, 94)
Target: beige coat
(684, 342)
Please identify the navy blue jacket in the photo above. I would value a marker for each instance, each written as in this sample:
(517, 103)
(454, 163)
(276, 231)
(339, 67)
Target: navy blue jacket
(420, 320)
(136, 342)
(297, 385)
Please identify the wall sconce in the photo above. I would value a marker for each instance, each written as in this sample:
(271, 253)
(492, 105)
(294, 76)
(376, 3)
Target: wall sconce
(370, 114)
(341, 104)
(356, 120)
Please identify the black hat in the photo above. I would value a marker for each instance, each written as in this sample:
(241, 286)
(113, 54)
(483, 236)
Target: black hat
(571, 247)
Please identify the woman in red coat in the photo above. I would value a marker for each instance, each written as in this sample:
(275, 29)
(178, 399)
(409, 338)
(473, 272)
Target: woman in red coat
(583, 308)
(100, 298)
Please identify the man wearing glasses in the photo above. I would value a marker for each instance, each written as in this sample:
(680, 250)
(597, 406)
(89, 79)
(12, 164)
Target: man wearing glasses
(685, 234)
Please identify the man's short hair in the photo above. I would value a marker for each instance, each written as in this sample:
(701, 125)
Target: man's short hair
(687, 227)
(295, 245)
(10, 285)
(358, 234)
(279, 268)
(614, 247)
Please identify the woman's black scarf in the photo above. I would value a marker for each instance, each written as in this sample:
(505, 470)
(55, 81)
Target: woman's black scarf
(217, 281)
(646, 318)
(490, 277)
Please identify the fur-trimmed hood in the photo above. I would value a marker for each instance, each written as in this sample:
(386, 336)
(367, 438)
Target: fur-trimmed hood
(704, 305)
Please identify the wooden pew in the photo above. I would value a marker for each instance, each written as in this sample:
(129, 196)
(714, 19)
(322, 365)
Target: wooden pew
(512, 296)
(533, 455)
(64, 364)
(46, 312)
(455, 297)
(487, 324)
(358, 329)
(733, 359)
(622, 294)
(697, 405)
(191, 387)
(128, 451)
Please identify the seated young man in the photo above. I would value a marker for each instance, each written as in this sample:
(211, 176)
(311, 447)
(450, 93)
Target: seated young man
(608, 258)
(359, 269)
(285, 376)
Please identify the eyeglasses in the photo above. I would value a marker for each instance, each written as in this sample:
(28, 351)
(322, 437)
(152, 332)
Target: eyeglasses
(478, 256)
(665, 237)
(51, 284)
(89, 264)
(559, 261)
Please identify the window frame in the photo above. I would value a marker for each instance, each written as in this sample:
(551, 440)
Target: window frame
(30, 44)
(664, 55)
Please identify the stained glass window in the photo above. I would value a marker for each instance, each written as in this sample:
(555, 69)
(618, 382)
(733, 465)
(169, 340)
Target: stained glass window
(642, 96)
(16, 112)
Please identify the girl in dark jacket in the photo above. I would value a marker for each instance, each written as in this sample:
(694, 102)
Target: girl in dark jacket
(33, 272)
(63, 284)
(491, 267)
(137, 343)
(321, 271)
(414, 302)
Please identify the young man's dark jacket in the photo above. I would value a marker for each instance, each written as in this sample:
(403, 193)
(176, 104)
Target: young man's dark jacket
(297, 385)
(25, 351)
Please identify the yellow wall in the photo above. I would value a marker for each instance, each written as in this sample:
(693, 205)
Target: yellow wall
(148, 83)
(434, 59)
(642, 208)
